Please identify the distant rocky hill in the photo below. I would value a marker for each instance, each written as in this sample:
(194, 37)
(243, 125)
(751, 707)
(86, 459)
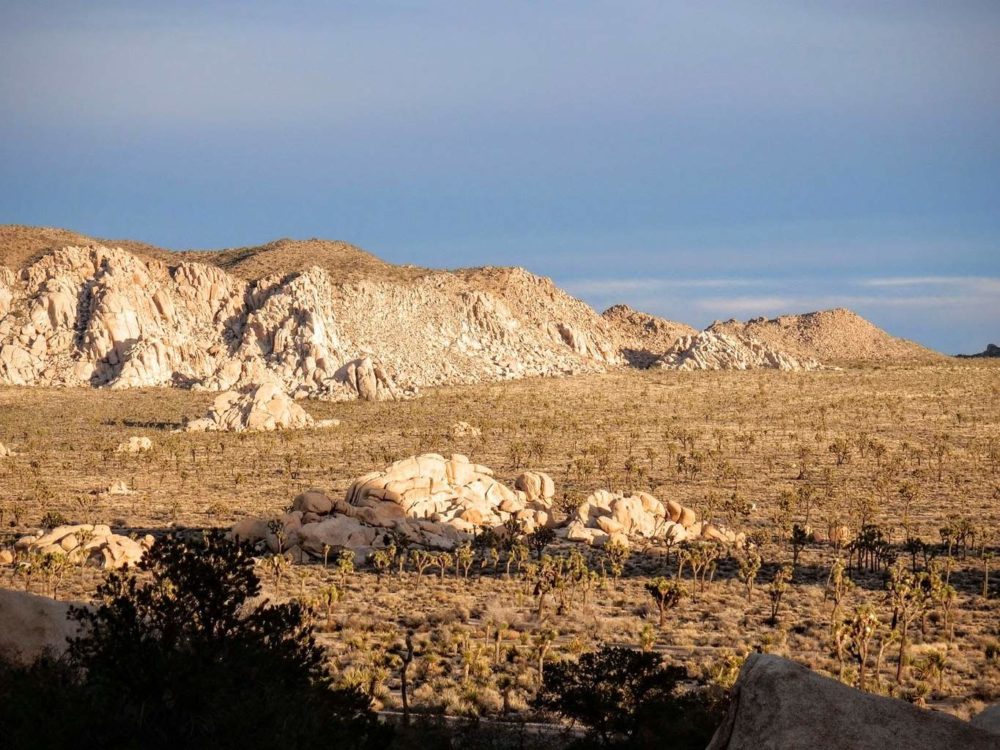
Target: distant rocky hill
(322, 319)
(992, 350)
(643, 338)
(836, 336)
(326, 319)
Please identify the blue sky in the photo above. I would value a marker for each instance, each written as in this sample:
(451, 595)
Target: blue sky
(696, 160)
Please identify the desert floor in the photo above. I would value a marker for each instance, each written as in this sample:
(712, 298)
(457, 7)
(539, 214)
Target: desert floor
(728, 444)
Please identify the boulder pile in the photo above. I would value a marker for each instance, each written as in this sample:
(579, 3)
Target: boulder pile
(265, 408)
(455, 491)
(607, 517)
(710, 350)
(437, 502)
(94, 545)
(426, 500)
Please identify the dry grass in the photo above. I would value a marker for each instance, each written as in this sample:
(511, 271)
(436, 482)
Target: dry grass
(699, 438)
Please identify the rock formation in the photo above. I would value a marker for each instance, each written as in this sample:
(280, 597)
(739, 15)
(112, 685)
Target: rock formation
(265, 408)
(464, 429)
(777, 703)
(642, 338)
(607, 517)
(711, 350)
(425, 500)
(435, 502)
(93, 545)
(135, 444)
(94, 315)
(32, 624)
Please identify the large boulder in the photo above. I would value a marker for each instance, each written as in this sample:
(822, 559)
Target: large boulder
(641, 516)
(135, 444)
(988, 719)
(780, 705)
(265, 408)
(94, 545)
(31, 624)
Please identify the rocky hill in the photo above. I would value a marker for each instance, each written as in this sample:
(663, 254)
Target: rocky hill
(836, 336)
(318, 318)
(992, 350)
(643, 338)
(326, 319)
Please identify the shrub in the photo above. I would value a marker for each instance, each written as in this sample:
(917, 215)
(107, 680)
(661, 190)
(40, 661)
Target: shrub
(627, 698)
(181, 657)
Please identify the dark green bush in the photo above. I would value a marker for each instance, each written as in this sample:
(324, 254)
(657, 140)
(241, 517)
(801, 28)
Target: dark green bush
(180, 656)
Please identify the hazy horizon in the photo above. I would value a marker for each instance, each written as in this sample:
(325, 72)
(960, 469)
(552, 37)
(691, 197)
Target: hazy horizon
(695, 162)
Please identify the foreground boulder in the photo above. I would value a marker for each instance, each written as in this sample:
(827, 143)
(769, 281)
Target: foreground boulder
(31, 624)
(94, 545)
(780, 705)
(6, 452)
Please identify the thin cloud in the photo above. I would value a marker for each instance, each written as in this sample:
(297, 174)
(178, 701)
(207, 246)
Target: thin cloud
(974, 282)
(627, 286)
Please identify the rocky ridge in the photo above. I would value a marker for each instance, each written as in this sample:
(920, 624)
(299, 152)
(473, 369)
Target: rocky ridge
(93, 315)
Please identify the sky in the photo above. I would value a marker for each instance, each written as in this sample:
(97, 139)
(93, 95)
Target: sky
(698, 161)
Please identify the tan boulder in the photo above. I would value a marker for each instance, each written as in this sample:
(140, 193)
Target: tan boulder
(777, 703)
(31, 624)
(135, 444)
(313, 501)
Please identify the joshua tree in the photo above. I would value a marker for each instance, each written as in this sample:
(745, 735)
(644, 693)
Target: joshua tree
(800, 537)
(422, 559)
(463, 559)
(910, 596)
(856, 634)
(749, 564)
(667, 594)
(777, 589)
(405, 652)
(543, 641)
(539, 539)
(616, 555)
(838, 586)
(276, 565)
(382, 561)
(345, 565)
(328, 596)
